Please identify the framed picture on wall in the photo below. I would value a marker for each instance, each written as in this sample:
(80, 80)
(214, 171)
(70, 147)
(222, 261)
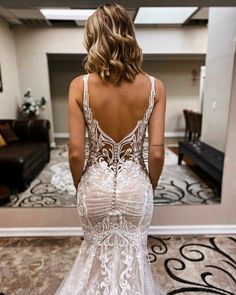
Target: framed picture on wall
(1, 87)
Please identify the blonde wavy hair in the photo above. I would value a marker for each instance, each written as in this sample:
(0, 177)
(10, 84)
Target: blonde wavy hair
(113, 51)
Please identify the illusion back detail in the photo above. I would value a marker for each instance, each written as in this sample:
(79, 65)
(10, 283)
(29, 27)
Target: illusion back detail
(115, 207)
(104, 149)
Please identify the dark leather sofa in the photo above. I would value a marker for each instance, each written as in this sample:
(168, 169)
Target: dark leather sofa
(22, 160)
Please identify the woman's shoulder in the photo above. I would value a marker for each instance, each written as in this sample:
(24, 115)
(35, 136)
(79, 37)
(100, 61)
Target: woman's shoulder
(158, 82)
(76, 81)
(156, 77)
(76, 87)
(159, 87)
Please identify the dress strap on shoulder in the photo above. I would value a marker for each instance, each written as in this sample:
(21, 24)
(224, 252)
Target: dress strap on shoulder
(150, 100)
(153, 85)
(153, 92)
(85, 98)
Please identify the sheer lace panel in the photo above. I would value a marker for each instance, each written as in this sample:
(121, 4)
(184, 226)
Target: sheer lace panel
(103, 147)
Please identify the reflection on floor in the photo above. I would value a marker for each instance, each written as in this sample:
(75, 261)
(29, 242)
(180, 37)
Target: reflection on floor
(178, 184)
(181, 264)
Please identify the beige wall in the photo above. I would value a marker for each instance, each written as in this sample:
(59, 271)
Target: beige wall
(172, 40)
(61, 72)
(182, 92)
(10, 96)
(219, 67)
(33, 45)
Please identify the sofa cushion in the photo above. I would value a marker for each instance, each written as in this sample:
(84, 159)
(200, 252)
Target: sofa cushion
(2, 141)
(7, 133)
(21, 161)
(24, 153)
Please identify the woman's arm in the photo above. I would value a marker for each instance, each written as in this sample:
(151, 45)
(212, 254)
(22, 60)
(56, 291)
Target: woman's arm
(76, 145)
(156, 130)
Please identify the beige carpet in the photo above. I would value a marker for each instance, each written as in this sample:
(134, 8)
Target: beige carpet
(182, 264)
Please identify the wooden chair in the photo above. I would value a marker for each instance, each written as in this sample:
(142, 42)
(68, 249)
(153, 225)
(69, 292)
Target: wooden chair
(197, 125)
(187, 134)
(193, 125)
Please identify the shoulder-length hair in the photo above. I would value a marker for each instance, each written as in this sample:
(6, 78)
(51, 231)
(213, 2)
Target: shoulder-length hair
(113, 51)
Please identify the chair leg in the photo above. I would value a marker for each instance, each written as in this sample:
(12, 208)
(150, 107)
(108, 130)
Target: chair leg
(185, 133)
(180, 158)
(189, 136)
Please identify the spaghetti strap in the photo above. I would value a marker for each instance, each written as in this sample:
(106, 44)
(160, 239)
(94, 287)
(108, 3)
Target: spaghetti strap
(153, 92)
(151, 99)
(85, 96)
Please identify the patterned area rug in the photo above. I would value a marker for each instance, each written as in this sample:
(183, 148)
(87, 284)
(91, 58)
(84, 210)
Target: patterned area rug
(53, 187)
(180, 264)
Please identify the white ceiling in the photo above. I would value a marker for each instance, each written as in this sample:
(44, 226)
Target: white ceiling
(164, 15)
(32, 17)
(27, 12)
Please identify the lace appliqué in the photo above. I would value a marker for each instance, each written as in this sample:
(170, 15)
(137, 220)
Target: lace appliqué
(121, 232)
(115, 206)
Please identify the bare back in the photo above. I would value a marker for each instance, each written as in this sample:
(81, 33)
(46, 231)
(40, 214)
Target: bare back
(118, 108)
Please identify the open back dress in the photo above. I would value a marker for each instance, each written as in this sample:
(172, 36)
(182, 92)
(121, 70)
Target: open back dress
(115, 207)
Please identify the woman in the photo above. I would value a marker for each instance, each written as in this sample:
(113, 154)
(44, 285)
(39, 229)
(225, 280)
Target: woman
(116, 101)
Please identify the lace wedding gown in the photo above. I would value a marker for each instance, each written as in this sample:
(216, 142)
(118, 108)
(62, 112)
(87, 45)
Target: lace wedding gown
(115, 206)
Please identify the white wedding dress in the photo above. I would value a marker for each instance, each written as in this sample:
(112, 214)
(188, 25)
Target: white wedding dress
(115, 206)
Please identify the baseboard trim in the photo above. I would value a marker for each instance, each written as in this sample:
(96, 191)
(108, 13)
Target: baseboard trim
(154, 230)
(174, 134)
(61, 135)
(201, 229)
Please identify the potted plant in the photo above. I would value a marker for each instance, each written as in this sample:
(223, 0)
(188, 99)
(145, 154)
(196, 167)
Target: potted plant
(31, 107)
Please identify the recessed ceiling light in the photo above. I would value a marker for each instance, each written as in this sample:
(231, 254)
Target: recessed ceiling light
(67, 14)
(163, 15)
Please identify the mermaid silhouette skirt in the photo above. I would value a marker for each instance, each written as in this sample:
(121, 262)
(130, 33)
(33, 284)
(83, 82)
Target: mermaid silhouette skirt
(113, 258)
(115, 207)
